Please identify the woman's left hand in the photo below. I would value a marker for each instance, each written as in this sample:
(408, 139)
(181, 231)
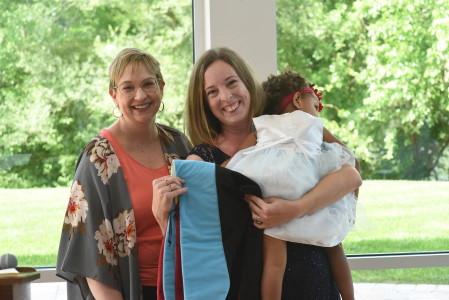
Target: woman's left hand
(272, 211)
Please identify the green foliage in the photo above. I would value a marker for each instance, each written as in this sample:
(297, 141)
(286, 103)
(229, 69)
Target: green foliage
(385, 71)
(383, 65)
(53, 76)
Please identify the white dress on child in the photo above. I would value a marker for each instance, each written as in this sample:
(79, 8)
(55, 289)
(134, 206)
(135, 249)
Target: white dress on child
(288, 160)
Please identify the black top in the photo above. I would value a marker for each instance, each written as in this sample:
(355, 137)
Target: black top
(210, 153)
(307, 275)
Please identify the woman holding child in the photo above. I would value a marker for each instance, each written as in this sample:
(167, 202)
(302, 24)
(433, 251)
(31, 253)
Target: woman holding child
(223, 98)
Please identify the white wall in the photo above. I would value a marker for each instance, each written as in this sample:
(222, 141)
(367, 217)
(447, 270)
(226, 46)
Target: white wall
(246, 26)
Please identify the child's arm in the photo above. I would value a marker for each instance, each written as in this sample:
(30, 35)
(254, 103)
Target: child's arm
(328, 137)
(341, 271)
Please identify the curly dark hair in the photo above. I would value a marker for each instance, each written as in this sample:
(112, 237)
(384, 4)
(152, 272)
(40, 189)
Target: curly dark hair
(276, 87)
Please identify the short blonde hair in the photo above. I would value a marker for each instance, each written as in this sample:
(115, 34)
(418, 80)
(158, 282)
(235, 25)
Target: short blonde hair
(201, 125)
(134, 57)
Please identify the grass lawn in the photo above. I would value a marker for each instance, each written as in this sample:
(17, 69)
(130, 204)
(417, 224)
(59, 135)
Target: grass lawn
(31, 222)
(401, 216)
(394, 216)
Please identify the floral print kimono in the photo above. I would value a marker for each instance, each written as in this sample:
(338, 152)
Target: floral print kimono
(99, 233)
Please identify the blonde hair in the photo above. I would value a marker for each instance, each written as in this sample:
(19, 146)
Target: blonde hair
(134, 57)
(201, 125)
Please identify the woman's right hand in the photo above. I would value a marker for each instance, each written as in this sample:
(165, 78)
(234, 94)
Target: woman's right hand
(165, 190)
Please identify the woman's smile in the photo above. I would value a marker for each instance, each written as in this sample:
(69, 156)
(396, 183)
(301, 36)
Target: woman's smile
(142, 106)
(232, 107)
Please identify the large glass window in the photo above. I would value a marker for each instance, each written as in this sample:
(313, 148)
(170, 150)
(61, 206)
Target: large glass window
(54, 63)
(383, 66)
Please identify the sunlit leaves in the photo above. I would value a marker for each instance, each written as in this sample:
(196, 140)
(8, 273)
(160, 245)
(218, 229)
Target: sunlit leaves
(54, 58)
(384, 65)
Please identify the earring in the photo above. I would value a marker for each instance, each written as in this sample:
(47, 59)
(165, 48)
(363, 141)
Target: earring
(163, 107)
(114, 112)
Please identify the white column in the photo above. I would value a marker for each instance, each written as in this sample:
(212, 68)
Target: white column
(246, 26)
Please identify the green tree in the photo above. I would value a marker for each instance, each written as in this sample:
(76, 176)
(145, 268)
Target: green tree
(384, 68)
(53, 76)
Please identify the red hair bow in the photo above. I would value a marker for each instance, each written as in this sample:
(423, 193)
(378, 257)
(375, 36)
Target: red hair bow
(305, 90)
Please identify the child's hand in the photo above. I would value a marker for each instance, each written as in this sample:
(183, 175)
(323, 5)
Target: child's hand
(271, 211)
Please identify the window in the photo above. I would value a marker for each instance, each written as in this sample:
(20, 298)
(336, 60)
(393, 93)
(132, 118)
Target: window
(384, 75)
(54, 98)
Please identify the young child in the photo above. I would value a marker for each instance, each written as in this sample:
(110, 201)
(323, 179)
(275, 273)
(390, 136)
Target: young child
(288, 160)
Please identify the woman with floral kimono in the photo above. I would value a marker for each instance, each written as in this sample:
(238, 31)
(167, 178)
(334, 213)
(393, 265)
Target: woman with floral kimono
(110, 240)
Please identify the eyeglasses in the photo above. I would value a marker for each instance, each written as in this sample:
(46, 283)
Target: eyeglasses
(149, 86)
